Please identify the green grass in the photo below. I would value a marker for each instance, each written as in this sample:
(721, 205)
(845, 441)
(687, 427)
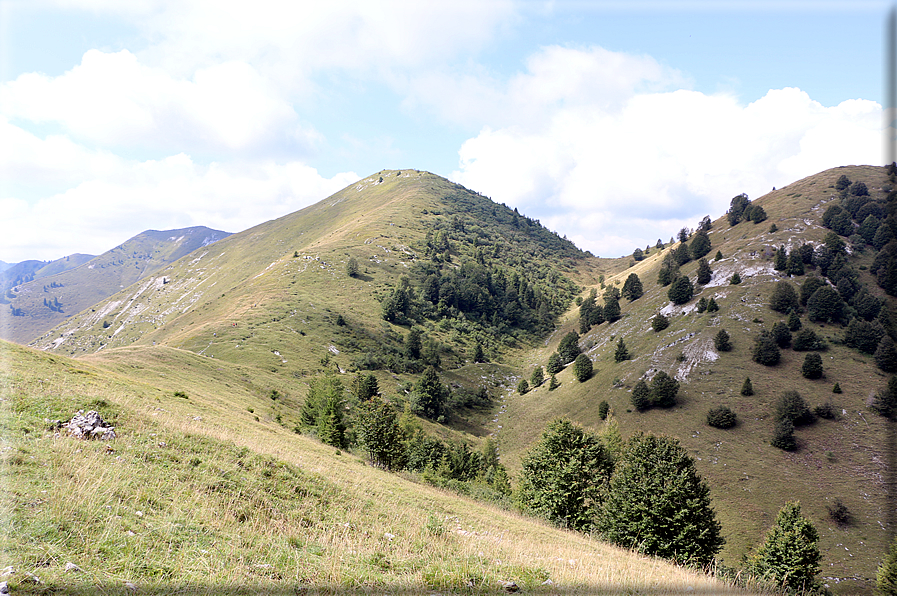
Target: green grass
(224, 504)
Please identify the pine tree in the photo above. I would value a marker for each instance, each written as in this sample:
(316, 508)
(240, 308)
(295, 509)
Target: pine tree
(780, 262)
(554, 365)
(568, 349)
(379, 434)
(747, 388)
(789, 555)
(632, 288)
(664, 389)
(794, 323)
(719, 256)
(553, 383)
(712, 306)
(722, 341)
(641, 396)
(331, 427)
(352, 267)
(478, 355)
(886, 355)
(766, 351)
(565, 475)
(611, 309)
(523, 387)
(621, 353)
(702, 305)
(784, 297)
(657, 503)
(537, 378)
(783, 437)
(428, 397)
(704, 272)
(886, 578)
(582, 368)
(812, 367)
(603, 409)
(735, 279)
(681, 290)
(837, 388)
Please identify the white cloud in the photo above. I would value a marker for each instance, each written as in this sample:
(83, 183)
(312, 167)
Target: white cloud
(113, 100)
(108, 199)
(610, 164)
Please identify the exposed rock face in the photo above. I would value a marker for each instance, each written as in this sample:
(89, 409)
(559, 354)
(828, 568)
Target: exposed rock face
(89, 426)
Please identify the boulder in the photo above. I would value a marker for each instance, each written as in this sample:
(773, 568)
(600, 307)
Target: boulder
(89, 426)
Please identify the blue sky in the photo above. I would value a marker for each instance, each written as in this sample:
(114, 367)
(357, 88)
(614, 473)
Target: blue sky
(613, 123)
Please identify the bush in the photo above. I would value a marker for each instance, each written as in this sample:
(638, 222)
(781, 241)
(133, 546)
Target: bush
(792, 407)
(766, 351)
(721, 417)
(582, 368)
(806, 340)
(565, 474)
(657, 503)
(681, 290)
(826, 410)
(789, 556)
(722, 341)
(659, 322)
(812, 366)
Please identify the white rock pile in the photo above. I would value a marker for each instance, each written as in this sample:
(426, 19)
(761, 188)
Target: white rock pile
(89, 426)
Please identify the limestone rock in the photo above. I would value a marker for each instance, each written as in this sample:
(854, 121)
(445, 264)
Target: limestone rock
(89, 426)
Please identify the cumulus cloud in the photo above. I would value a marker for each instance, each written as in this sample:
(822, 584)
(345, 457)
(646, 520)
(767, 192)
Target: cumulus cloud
(113, 100)
(119, 198)
(616, 166)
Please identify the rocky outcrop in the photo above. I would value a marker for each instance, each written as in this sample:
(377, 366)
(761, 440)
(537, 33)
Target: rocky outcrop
(89, 426)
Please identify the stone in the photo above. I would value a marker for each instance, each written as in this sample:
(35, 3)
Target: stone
(72, 567)
(4, 588)
(89, 426)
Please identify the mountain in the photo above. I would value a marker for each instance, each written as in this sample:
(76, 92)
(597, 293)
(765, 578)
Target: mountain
(42, 295)
(274, 308)
(14, 274)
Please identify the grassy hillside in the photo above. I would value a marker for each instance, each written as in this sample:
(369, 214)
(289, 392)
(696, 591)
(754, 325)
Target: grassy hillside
(56, 290)
(844, 459)
(274, 306)
(199, 495)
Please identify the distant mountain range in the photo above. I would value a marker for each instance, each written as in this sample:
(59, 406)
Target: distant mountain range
(36, 295)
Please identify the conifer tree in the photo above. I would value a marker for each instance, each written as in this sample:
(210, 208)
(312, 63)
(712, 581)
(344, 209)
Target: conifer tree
(553, 383)
(621, 353)
(722, 341)
(747, 388)
(429, 394)
(641, 396)
(657, 503)
(659, 322)
(611, 309)
(537, 378)
(681, 290)
(379, 434)
(664, 389)
(780, 262)
(704, 272)
(523, 387)
(554, 365)
(794, 323)
(565, 475)
(812, 366)
(603, 409)
(568, 349)
(789, 555)
(719, 256)
(632, 288)
(582, 368)
(712, 306)
(886, 578)
(735, 279)
(702, 305)
(478, 355)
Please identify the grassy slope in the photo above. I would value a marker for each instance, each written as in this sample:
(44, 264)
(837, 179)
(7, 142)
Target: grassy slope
(198, 495)
(251, 305)
(750, 480)
(92, 281)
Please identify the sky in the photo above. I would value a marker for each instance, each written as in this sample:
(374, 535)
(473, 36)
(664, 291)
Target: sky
(613, 123)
